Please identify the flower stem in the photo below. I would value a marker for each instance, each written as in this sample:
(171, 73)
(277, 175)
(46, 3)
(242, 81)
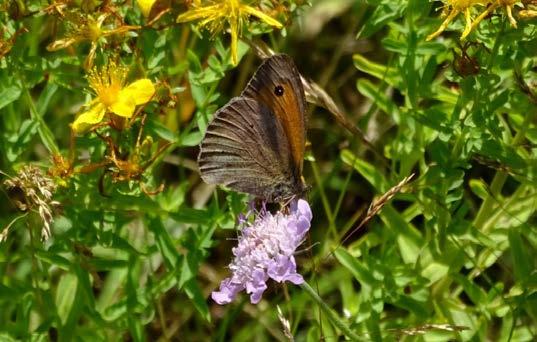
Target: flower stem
(324, 199)
(332, 316)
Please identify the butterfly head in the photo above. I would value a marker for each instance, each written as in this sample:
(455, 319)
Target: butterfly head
(285, 191)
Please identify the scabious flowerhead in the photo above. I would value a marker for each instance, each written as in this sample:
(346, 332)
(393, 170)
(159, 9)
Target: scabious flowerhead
(113, 95)
(266, 251)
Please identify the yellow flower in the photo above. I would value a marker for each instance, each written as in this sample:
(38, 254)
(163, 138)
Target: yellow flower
(145, 6)
(527, 14)
(452, 9)
(113, 96)
(455, 7)
(83, 28)
(235, 13)
(508, 4)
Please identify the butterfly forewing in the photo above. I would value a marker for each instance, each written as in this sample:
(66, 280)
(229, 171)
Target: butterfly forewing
(277, 84)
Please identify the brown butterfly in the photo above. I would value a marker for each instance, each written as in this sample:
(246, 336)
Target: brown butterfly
(255, 143)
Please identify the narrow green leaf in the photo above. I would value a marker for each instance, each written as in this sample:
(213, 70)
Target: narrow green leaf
(435, 271)
(195, 294)
(476, 294)
(45, 97)
(371, 91)
(53, 259)
(479, 188)
(358, 270)
(47, 138)
(368, 171)
(189, 215)
(8, 95)
(191, 139)
(164, 242)
(409, 238)
(156, 127)
(523, 262)
(65, 296)
(382, 72)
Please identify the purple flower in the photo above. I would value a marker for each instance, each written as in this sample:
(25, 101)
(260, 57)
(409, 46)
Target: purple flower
(265, 250)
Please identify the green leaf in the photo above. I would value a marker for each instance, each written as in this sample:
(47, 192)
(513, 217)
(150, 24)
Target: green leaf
(44, 98)
(523, 262)
(390, 75)
(65, 296)
(409, 239)
(191, 139)
(474, 292)
(357, 269)
(156, 127)
(368, 171)
(44, 132)
(8, 95)
(165, 243)
(479, 188)
(193, 62)
(382, 14)
(435, 271)
(371, 91)
(189, 215)
(195, 294)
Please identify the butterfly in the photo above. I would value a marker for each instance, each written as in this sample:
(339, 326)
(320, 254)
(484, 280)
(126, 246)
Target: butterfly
(255, 143)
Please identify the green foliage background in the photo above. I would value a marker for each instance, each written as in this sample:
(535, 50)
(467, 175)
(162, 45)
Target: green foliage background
(457, 248)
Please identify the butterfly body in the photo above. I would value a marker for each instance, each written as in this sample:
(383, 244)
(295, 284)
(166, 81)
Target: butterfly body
(255, 143)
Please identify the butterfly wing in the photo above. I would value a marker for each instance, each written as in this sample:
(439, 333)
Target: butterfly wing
(246, 148)
(277, 85)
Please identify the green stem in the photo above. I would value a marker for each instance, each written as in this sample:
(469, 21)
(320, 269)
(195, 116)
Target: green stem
(332, 316)
(324, 199)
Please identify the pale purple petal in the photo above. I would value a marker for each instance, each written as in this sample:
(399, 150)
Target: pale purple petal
(257, 286)
(228, 292)
(282, 268)
(303, 225)
(304, 209)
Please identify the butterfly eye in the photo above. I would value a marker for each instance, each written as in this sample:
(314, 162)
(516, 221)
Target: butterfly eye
(278, 90)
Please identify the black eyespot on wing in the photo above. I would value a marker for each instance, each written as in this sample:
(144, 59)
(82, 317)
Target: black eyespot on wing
(278, 90)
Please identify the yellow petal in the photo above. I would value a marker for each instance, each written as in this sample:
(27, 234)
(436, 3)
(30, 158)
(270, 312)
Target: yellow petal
(527, 14)
(510, 16)
(124, 106)
(257, 13)
(141, 91)
(88, 62)
(93, 116)
(468, 26)
(120, 30)
(145, 6)
(234, 42)
(198, 13)
(444, 24)
(61, 43)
